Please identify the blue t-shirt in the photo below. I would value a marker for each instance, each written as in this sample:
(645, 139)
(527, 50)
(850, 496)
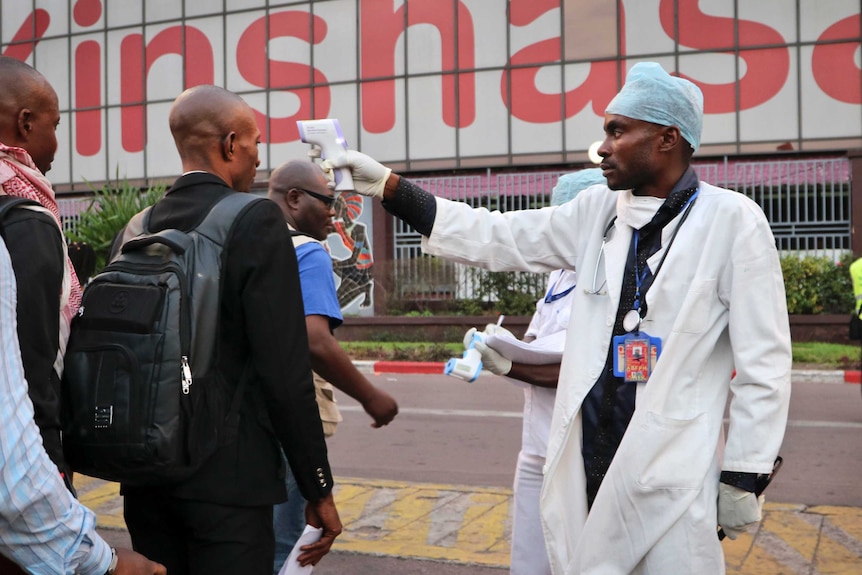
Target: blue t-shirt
(319, 296)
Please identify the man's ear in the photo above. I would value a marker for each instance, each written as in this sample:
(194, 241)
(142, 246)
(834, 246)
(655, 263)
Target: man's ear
(25, 123)
(670, 138)
(227, 145)
(291, 198)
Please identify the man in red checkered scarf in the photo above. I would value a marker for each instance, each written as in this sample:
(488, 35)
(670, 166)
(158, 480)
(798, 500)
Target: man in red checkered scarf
(49, 293)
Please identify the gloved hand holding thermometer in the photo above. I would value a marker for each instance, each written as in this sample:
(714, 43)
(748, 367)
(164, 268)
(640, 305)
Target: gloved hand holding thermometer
(469, 366)
(369, 175)
(478, 355)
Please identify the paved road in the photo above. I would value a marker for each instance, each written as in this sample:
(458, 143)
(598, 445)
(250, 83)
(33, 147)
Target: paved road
(431, 493)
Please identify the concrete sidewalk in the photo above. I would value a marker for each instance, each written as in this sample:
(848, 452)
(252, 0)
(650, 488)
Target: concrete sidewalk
(472, 526)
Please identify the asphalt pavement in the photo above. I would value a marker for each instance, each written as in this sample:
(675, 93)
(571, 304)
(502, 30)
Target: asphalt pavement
(438, 527)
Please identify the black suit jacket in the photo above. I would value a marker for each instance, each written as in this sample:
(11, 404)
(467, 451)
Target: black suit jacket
(35, 247)
(262, 321)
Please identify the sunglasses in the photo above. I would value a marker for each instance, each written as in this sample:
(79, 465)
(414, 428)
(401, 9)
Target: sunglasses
(327, 200)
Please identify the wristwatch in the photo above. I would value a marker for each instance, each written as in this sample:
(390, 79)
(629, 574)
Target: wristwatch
(112, 566)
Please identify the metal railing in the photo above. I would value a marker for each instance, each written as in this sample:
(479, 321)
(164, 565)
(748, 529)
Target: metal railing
(807, 203)
(70, 211)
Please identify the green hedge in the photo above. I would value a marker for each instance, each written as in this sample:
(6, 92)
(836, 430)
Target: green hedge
(814, 285)
(818, 285)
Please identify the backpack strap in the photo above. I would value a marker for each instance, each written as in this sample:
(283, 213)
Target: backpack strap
(8, 202)
(139, 224)
(220, 220)
(217, 226)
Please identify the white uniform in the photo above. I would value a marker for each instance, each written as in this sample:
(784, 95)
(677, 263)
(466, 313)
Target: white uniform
(717, 304)
(528, 542)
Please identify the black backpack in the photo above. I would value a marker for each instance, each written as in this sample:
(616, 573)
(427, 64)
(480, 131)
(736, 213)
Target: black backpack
(143, 403)
(8, 202)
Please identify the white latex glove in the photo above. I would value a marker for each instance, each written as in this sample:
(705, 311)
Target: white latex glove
(494, 329)
(369, 175)
(492, 360)
(737, 509)
(314, 154)
(468, 337)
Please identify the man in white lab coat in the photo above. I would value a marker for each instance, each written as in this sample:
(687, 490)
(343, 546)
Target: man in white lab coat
(680, 285)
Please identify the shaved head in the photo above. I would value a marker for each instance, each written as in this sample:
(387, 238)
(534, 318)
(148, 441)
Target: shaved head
(215, 131)
(296, 174)
(29, 111)
(21, 83)
(300, 188)
(203, 115)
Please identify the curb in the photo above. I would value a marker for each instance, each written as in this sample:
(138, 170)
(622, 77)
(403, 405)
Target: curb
(372, 367)
(432, 367)
(826, 376)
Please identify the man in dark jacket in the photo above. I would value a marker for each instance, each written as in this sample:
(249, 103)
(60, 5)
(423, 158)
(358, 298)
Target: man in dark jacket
(46, 297)
(48, 290)
(220, 519)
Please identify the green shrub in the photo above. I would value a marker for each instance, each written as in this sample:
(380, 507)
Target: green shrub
(402, 351)
(111, 208)
(817, 285)
(508, 293)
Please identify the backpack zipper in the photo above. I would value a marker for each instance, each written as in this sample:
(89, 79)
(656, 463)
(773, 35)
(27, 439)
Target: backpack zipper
(185, 311)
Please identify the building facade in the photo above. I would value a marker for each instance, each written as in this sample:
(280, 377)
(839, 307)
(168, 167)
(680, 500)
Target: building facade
(432, 86)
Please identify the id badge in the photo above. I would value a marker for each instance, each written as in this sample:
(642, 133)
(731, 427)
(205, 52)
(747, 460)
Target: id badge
(635, 356)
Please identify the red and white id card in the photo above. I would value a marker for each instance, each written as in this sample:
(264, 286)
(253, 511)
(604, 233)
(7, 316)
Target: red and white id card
(635, 356)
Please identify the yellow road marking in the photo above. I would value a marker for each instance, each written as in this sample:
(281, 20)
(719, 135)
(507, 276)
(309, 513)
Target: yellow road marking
(471, 525)
(351, 501)
(794, 531)
(848, 519)
(842, 556)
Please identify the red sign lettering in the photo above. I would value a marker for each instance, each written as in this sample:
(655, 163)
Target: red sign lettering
(137, 59)
(380, 28)
(28, 35)
(251, 59)
(766, 70)
(834, 65)
(527, 102)
(88, 95)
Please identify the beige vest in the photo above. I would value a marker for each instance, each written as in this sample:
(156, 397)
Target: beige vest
(323, 390)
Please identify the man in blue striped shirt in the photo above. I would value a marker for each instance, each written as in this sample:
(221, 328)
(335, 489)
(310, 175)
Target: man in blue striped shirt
(42, 527)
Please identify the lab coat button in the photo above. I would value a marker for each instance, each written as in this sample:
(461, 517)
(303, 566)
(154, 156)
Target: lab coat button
(609, 320)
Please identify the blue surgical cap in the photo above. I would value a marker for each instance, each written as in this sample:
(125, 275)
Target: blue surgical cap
(652, 95)
(569, 185)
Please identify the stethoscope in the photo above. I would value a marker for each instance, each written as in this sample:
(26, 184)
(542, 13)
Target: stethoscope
(605, 236)
(633, 318)
(638, 278)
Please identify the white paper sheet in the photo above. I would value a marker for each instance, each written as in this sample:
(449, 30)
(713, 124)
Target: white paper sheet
(291, 565)
(542, 351)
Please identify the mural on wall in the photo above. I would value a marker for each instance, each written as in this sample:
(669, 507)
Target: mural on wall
(352, 255)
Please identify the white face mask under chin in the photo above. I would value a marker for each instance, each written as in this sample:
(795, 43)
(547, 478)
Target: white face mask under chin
(636, 211)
